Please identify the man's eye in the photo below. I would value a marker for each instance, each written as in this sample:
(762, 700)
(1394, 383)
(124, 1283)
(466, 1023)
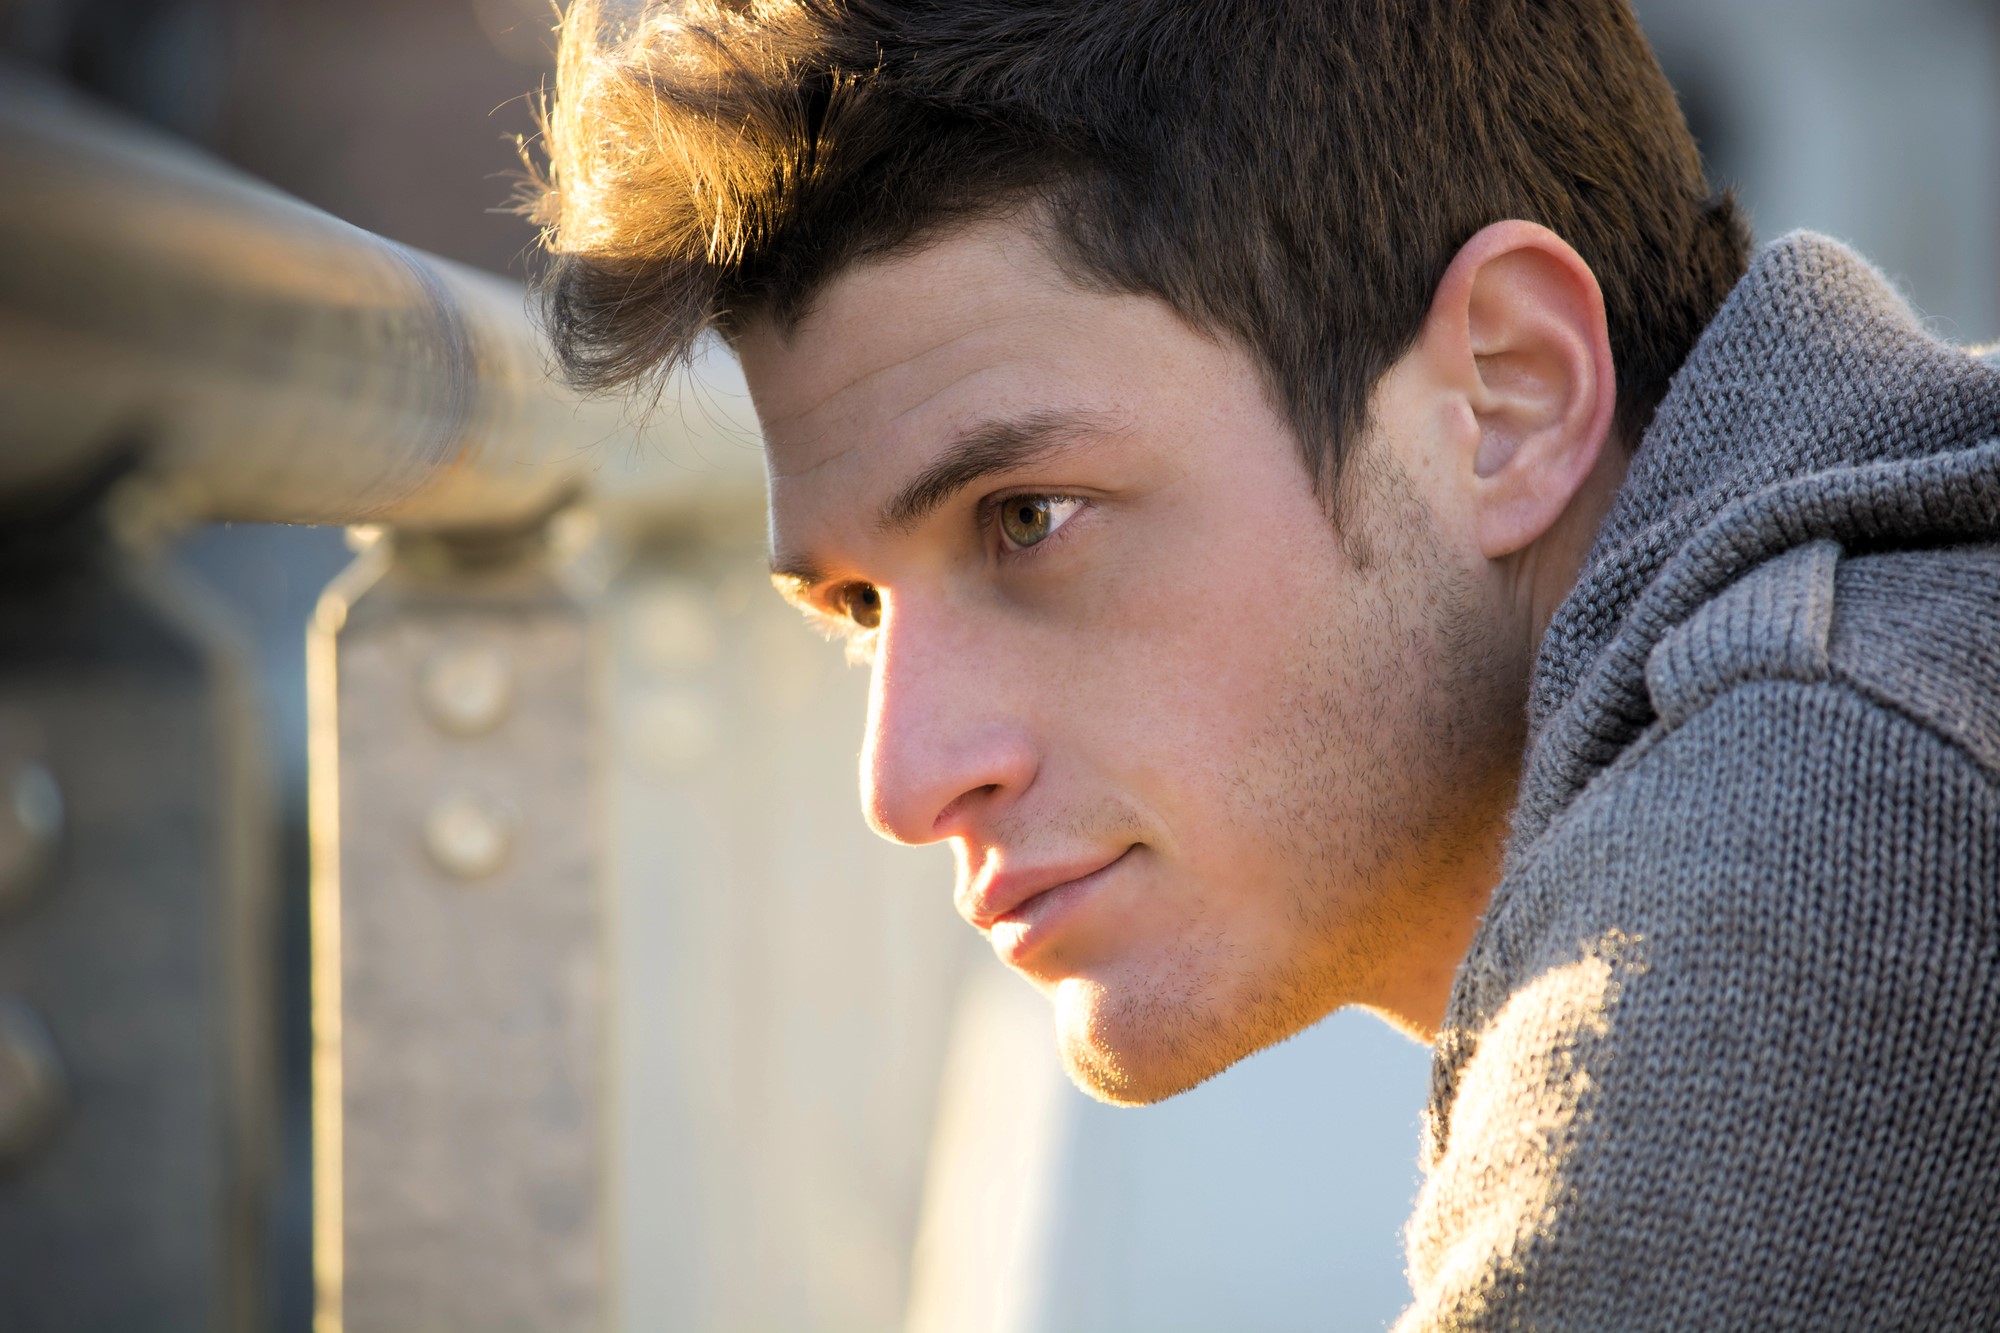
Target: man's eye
(1026, 520)
(862, 604)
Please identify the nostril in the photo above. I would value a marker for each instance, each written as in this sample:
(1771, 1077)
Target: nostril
(957, 805)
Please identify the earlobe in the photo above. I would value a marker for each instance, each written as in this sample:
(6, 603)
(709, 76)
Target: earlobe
(1519, 321)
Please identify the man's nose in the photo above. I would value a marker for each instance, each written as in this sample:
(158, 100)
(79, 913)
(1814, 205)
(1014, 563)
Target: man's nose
(944, 749)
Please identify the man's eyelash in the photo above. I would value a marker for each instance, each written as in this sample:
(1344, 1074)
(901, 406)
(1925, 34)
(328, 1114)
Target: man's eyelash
(856, 642)
(858, 646)
(826, 623)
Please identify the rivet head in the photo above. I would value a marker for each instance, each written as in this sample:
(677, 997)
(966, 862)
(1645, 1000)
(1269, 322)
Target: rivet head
(31, 821)
(33, 1089)
(468, 837)
(467, 689)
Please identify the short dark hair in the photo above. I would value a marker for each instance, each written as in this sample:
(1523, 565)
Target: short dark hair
(1295, 173)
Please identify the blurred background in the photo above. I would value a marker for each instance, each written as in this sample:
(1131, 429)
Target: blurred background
(812, 1102)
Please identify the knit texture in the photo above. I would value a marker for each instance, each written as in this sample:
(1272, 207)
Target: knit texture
(1725, 1050)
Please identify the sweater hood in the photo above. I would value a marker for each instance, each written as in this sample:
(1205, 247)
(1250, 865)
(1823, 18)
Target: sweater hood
(1814, 406)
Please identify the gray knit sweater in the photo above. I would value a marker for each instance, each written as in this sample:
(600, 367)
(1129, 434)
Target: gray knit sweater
(1725, 1051)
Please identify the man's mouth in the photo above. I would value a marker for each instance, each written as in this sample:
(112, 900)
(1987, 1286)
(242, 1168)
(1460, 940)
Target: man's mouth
(1016, 909)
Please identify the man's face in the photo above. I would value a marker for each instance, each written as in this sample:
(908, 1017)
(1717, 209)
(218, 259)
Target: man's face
(1204, 757)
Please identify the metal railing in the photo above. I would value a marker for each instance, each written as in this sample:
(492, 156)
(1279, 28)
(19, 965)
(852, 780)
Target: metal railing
(179, 341)
(275, 363)
(581, 806)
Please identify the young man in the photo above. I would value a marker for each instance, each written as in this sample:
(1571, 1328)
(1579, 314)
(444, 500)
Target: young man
(1336, 517)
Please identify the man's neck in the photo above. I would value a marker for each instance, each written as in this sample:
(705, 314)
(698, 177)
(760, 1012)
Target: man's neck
(1543, 575)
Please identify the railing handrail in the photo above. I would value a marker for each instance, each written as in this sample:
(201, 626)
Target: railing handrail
(274, 363)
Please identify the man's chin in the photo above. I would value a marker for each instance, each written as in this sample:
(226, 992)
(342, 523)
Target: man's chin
(1134, 1051)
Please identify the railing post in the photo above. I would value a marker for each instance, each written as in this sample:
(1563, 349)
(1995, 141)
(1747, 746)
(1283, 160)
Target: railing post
(135, 876)
(459, 975)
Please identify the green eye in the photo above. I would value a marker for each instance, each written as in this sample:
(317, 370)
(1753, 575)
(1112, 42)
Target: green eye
(1026, 520)
(862, 604)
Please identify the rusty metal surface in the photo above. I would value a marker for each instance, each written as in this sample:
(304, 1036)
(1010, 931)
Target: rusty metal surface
(459, 974)
(268, 361)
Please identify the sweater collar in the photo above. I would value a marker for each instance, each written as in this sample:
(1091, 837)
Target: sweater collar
(1814, 405)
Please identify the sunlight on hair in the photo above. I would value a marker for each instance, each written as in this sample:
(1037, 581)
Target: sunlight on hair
(630, 175)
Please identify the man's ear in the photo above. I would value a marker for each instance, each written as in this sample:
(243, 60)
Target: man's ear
(1517, 328)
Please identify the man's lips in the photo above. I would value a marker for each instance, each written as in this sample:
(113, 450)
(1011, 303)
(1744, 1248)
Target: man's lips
(1004, 895)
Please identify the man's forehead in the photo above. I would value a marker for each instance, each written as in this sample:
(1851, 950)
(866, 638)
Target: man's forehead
(888, 337)
(901, 394)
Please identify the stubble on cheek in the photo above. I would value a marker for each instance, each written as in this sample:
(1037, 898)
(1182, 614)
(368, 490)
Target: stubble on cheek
(1404, 749)
(1395, 699)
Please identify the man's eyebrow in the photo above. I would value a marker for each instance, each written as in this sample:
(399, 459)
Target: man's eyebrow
(990, 447)
(993, 446)
(795, 577)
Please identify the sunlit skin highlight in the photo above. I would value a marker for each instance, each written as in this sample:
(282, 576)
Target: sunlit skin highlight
(1212, 762)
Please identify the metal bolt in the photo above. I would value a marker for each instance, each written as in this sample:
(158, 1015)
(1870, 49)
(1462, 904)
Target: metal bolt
(33, 1090)
(469, 837)
(467, 689)
(31, 820)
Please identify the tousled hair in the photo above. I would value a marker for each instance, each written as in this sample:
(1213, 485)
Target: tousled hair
(1294, 173)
